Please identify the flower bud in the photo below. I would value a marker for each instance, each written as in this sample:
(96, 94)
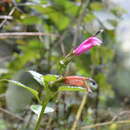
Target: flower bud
(87, 45)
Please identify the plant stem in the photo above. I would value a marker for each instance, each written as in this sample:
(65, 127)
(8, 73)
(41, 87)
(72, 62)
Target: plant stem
(79, 112)
(105, 124)
(44, 104)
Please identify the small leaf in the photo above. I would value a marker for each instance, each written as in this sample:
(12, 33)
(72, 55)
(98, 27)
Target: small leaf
(29, 20)
(89, 17)
(50, 77)
(96, 6)
(3, 125)
(37, 77)
(72, 88)
(34, 92)
(37, 109)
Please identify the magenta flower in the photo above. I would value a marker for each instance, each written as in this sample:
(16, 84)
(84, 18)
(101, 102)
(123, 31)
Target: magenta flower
(87, 45)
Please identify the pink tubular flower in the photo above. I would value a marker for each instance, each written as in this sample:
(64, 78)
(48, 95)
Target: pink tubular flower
(87, 45)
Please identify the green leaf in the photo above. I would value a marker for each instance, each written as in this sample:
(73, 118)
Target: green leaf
(37, 109)
(3, 125)
(59, 19)
(71, 88)
(34, 92)
(96, 6)
(37, 77)
(30, 52)
(29, 20)
(89, 17)
(50, 77)
(71, 8)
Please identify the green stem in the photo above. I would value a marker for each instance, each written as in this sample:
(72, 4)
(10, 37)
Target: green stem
(67, 58)
(63, 63)
(59, 80)
(44, 104)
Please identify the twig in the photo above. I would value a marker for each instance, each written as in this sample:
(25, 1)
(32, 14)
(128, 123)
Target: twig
(16, 5)
(5, 20)
(97, 103)
(6, 17)
(28, 122)
(49, 123)
(109, 122)
(10, 34)
(79, 112)
(105, 123)
(62, 48)
(79, 20)
(11, 114)
(72, 22)
(120, 114)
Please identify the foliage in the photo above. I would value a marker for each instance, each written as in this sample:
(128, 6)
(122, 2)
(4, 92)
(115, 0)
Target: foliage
(64, 24)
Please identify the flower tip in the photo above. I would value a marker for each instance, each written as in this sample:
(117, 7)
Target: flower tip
(99, 43)
(96, 41)
(102, 30)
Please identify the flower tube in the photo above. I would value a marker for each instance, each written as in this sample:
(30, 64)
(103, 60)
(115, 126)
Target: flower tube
(87, 45)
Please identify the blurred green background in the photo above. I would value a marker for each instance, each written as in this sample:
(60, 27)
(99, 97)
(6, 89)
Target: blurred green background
(65, 24)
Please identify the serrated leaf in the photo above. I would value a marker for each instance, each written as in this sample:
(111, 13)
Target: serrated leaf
(38, 77)
(37, 109)
(71, 88)
(34, 92)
